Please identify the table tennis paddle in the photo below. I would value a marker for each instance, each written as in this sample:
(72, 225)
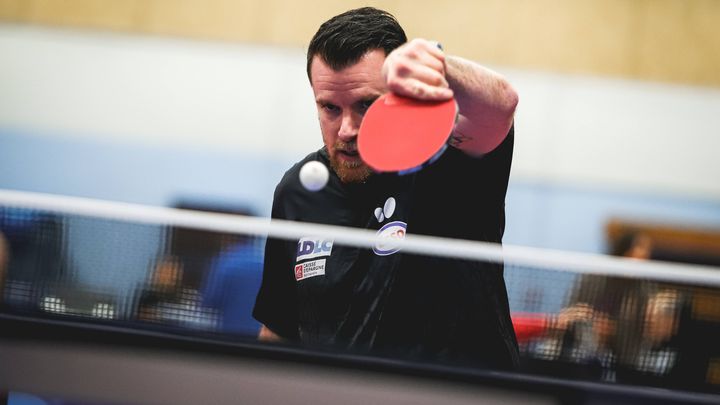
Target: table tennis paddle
(403, 135)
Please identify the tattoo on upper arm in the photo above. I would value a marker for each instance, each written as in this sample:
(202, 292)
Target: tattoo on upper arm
(457, 139)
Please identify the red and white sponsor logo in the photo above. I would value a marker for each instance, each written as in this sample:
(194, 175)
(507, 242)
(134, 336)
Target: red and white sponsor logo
(310, 269)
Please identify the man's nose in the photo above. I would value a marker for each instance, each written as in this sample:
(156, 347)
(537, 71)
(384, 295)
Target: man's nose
(349, 127)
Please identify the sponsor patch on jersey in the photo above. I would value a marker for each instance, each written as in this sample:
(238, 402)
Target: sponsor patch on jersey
(310, 248)
(310, 269)
(389, 238)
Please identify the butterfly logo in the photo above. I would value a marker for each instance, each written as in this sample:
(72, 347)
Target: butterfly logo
(386, 211)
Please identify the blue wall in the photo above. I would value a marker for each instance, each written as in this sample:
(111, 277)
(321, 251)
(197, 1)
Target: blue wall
(134, 173)
(554, 216)
(574, 217)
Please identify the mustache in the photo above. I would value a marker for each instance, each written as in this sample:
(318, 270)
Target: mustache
(345, 146)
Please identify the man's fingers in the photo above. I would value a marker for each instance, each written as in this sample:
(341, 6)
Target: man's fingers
(417, 89)
(426, 53)
(424, 74)
(430, 60)
(436, 50)
(417, 70)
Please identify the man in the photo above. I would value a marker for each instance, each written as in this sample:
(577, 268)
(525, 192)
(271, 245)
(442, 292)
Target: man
(401, 305)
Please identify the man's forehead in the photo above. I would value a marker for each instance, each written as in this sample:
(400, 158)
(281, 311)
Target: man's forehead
(348, 83)
(368, 67)
(357, 83)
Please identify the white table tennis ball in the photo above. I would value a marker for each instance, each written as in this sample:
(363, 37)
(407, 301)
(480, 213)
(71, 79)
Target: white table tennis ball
(314, 175)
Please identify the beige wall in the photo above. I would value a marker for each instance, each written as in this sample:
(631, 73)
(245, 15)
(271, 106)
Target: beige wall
(661, 40)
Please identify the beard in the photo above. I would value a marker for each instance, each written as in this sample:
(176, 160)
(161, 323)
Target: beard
(348, 172)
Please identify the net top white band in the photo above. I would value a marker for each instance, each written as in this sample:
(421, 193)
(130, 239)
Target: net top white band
(585, 263)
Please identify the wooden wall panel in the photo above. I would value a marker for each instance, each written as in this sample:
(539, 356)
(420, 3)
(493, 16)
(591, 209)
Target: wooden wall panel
(662, 40)
(680, 40)
(12, 9)
(103, 14)
(293, 23)
(548, 34)
(209, 19)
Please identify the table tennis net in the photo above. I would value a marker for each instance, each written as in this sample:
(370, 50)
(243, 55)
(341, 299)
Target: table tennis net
(575, 315)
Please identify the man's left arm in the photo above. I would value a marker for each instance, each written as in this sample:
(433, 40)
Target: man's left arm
(486, 100)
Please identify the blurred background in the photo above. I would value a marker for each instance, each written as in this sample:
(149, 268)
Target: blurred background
(156, 101)
(203, 104)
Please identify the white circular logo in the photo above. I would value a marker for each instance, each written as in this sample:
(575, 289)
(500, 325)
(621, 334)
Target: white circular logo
(389, 238)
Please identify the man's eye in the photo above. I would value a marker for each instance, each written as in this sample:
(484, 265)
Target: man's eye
(330, 108)
(366, 104)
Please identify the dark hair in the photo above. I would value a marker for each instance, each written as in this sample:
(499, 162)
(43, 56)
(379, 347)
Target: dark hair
(342, 40)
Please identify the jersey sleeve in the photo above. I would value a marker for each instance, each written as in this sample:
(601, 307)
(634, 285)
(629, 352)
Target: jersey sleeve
(498, 162)
(276, 302)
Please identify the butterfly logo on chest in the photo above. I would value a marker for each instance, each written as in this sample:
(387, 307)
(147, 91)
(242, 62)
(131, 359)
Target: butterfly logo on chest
(391, 234)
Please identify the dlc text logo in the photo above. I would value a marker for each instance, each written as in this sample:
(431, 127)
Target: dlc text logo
(310, 248)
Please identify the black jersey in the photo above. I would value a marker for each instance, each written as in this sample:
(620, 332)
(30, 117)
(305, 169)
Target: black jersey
(382, 300)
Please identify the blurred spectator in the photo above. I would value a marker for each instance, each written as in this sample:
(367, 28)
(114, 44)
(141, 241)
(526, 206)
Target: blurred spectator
(603, 325)
(4, 259)
(668, 356)
(163, 287)
(625, 330)
(32, 259)
(633, 245)
(169, 301)
(658, 354)
(580, 338)
(232, 285)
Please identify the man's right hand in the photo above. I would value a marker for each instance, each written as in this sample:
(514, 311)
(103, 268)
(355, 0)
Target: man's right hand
(266, 335)
(417, 70)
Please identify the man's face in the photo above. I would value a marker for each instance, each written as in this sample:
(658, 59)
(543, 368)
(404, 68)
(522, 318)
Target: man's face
(342, 97)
